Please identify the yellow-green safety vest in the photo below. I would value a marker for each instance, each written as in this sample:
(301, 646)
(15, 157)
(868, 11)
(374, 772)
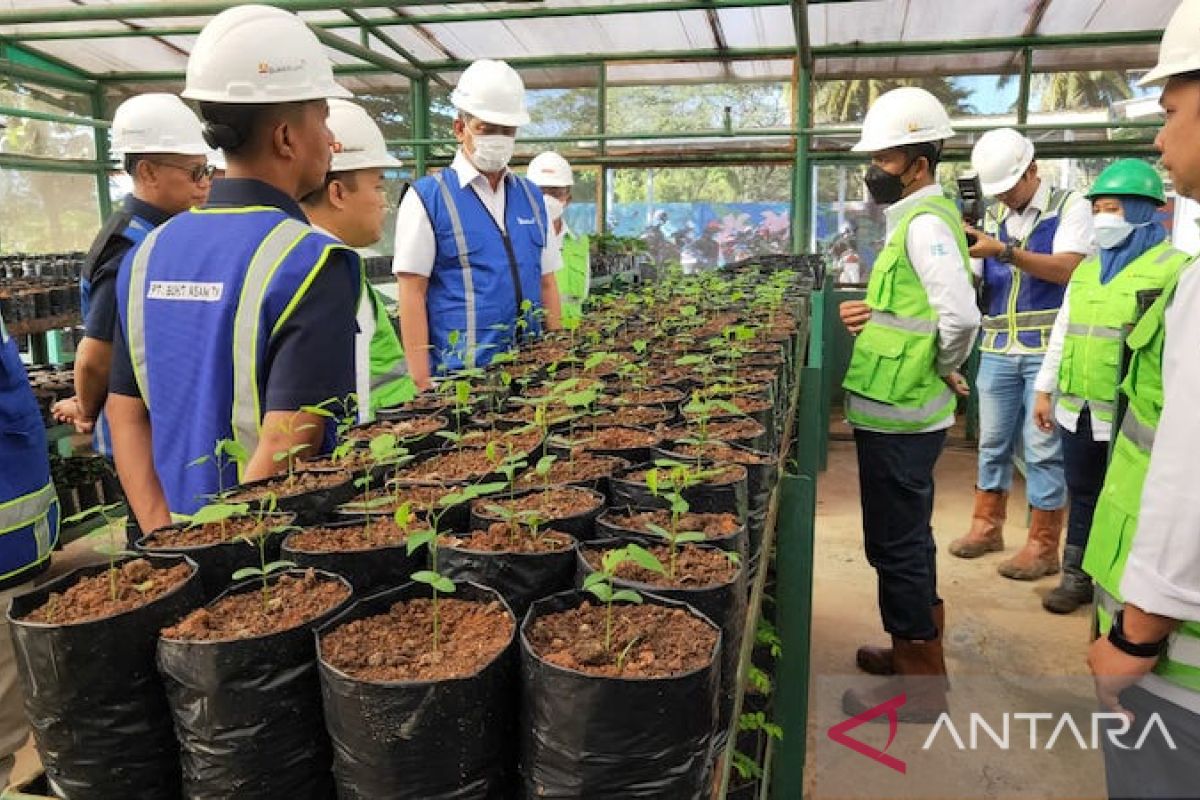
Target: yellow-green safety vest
(575, 276)
(1091, 355)
(1115, 522)
(893, 378)
(390, 384)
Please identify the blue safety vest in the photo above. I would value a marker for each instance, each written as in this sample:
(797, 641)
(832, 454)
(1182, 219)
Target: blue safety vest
(1018, 307)
(29, 513)
(133, 230)
(200, 301)
(481, 275)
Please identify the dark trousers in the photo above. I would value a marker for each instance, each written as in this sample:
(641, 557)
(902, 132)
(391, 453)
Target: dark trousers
(1085, 462)
(1155, 771)
(895, 481)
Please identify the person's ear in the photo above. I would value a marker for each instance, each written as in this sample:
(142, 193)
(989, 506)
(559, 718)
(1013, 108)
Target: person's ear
(336, 194)
(283, 139)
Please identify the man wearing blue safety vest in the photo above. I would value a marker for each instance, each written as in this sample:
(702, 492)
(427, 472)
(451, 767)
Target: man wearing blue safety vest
(159, 141)
(238, 315)
(1031, 243)
(913, 332)
(1144, 546)
(29, 519)
(473, 255)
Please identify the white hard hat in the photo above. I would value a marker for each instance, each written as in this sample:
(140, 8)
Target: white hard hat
(1001, 158)
(358, 142)
(1179, 52)
(550, 169)
(259, 54)
(907, 115)
(493, 92)
(156, 123)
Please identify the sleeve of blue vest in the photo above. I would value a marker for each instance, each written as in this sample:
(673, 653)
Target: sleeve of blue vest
(933, 250)
(1162, 575)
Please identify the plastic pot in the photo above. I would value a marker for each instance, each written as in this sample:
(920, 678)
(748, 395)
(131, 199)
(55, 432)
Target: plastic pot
(309, 507)
(580, 525)
(368, 570)
(607, 528)
(705, 498)
(520, 578)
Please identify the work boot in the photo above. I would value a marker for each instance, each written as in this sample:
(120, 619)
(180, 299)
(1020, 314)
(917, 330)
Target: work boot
(875, 660)
(917, 665)
(1039, 556)
(1075, 588)
(987, 526)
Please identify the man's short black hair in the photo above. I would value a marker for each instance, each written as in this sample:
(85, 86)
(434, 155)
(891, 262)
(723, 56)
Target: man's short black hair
(931, 151)
(232, 126)
(130, 162)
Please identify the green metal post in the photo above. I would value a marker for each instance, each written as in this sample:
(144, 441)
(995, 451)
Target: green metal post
(1026, 81)
(801, 165)
(420, 124)
(102, 155)
(602, 129)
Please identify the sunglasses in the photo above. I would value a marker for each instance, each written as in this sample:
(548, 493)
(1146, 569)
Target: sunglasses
(198, 173)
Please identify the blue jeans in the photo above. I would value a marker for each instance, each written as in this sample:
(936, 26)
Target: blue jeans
(1005, 386)
(1086, 461)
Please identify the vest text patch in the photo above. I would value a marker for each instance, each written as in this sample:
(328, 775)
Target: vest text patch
(185, 290)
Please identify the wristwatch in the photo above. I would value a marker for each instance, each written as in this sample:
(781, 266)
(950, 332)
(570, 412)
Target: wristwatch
(1116, 635)
(1008, 255)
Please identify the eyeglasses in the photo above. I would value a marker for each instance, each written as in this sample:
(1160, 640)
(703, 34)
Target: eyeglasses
(198, 173)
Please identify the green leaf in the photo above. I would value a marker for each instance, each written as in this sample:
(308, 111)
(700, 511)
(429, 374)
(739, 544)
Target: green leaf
(426, 576)
(602, 591)
(276, 566)
(669, 463)
(280, 456)
(492, 452)
(626, 596)
(217, 512)
(383, 446)
(644, 558)
(404, 515)
(454, 337)
(415, 541)
(247, 572)
(462, 392)
(658, 530)
(199, 461)
(318, 411)
(652, 481)
(640, 345)
(544, 464)
(678, 504)
(443, 584)
(691, 537)
(593, 578)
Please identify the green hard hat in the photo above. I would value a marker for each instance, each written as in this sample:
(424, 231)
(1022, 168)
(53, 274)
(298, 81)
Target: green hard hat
(1129, 176)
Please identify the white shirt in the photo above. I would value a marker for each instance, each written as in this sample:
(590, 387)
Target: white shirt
(932, 249)
(416, 245)
(1162, 575)
(1074, 234)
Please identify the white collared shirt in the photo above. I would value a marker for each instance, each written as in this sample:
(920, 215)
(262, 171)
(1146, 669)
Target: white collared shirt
(1162, 575)
(416, 245)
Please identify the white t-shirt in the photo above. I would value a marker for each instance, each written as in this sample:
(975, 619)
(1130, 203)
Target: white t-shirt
(416, 245)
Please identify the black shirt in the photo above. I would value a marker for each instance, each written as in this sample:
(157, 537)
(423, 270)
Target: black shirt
(104, 258)
(311, 358)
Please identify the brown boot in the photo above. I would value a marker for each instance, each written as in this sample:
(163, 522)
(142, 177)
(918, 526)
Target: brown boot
(918, 664)
(987, 526)
(1039, 556)
(875, 660)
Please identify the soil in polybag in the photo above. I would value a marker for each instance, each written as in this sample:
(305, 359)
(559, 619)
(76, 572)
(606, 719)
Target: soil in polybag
(569, 509)
(638, 731)
(520, 566)
(723, 492)
(584, 469)
(241, 677)
(705, 578)
(411, 724)
(92, 694)
(370, 552)
(720, 529)
(632, 444)
(309, 494)
(218, 549)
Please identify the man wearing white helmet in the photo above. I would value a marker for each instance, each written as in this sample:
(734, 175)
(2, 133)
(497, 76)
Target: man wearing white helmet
(553, 175)
(158, 140)
(1144, 546)
(473, 259)
(351, 206)
(913, 332)
(236, 316)
(1031, 243)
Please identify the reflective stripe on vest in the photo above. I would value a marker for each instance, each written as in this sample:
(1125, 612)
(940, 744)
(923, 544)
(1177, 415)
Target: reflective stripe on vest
(1181, 653)
(274, 248)
(910, 324)
(1096, 331)
(135, 324)
(901, 414)
(460, 242)
(1138, 432)
(27, 509)
(1076, 404)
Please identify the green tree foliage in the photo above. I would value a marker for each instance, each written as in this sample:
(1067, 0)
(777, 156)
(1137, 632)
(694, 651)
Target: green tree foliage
(1070, 91)
(847, 101)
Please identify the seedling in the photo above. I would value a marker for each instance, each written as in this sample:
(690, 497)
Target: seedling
(293, 427)
(702, 410)
(600, 582)
(225, 452)
(383, 449)
(111, 547)
(542, 469)
(258, 538)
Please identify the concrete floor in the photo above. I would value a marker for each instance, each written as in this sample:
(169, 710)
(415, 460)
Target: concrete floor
(999, 641)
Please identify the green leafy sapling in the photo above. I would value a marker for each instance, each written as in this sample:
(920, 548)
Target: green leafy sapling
(257, 538)
(225, 452)
(678, 507)
(542, 469)
(702, 408)
(112, 547)
(600, 583)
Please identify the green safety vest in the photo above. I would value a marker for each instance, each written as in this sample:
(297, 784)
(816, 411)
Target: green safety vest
(1115, 522)
(575, 275)
(893, 377)
(1091, 355)
(390, 384)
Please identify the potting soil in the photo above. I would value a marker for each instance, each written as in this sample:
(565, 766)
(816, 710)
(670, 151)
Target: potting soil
(138, 582)
(694, 567)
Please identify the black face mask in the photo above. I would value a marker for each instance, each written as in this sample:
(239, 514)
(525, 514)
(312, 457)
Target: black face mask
(885, 188)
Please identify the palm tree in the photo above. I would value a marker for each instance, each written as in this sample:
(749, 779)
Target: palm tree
(848, 100)
(1068, 91)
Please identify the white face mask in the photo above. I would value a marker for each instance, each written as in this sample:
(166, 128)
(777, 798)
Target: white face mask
(555, 208)
(493, 152)
(1111, 230)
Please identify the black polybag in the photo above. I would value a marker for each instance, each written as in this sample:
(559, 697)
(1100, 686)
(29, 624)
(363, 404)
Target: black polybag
(723, 604)
(440, 740)
(704, 498)
(309, 507)
(217, 562)
(607, 528)
(520, 578)
(582, 525)
(93, 697)
(368, 570)
(248, 712)
(587, 737)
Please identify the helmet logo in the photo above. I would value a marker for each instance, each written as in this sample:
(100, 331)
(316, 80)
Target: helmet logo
(265, 68)
(337, 147)
(913, 127)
